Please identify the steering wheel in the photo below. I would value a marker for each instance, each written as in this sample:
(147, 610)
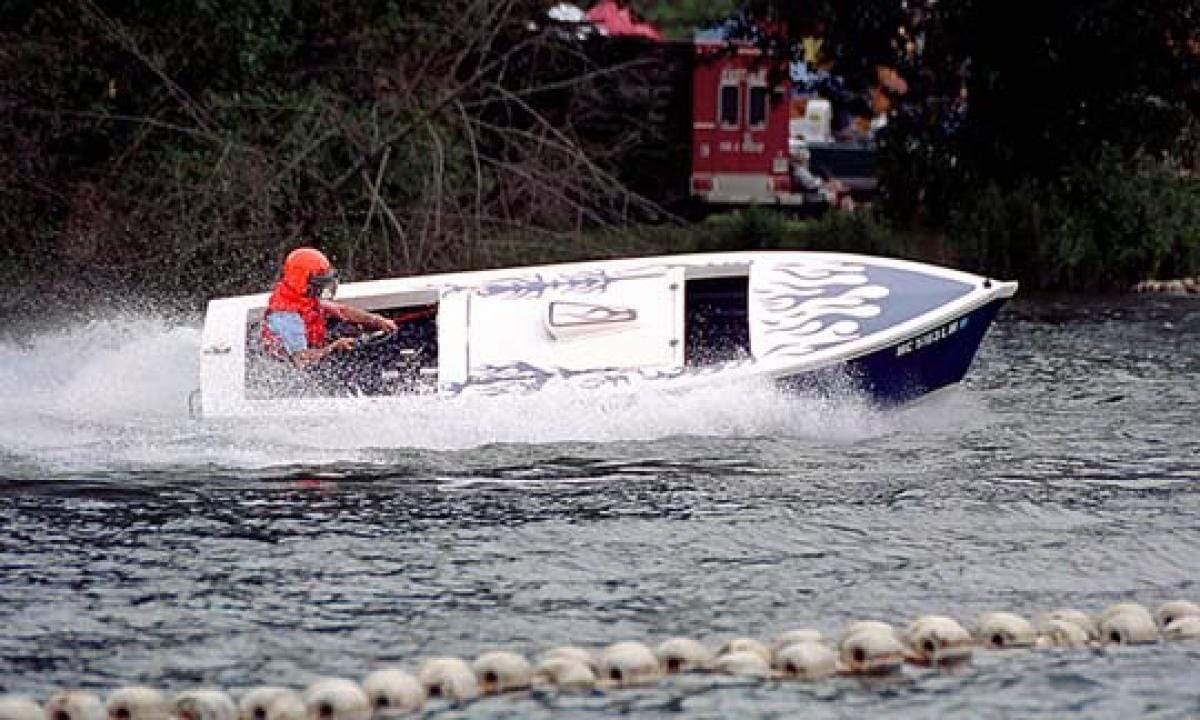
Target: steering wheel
(373, 339)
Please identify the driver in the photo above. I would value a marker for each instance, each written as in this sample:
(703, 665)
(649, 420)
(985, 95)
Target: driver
(294, 325)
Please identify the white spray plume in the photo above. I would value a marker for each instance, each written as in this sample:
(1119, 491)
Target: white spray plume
(112, 395)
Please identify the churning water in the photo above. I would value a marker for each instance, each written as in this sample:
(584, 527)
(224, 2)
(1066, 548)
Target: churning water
(140, 546)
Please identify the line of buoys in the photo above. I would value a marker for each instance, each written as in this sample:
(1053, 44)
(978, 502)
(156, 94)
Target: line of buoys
(866, 648)
(1181, 286)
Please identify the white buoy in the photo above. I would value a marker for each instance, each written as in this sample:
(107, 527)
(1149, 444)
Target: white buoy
(1124, 608)
(743, 663)
(75, 705)
(1128, 627)
(137, 703)
(791, 637)
(871, 649)
(204, 704)
(336, 699)
(1187, 627)
(19, 707)
(570, 652)
(564, 673)
(391, 690)
(937, 640)
(449, 678)
(1077, 617)
(1004, 630)
(869, 625)
(1169, 612)
(681, 654)
(501, 671)
(805, 660)
(627, 663)
(1056, 632)
(746, 644)
(287, 706)
(254, 702)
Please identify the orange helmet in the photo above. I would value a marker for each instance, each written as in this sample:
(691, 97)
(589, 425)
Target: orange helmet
(307, 271)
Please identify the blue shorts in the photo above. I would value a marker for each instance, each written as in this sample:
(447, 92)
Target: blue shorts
(289, 328)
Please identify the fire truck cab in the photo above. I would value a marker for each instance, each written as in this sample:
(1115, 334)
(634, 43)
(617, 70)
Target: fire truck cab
(748, 131)
(739, 129)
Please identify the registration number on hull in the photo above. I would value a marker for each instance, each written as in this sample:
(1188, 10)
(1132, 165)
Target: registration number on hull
(931, 337)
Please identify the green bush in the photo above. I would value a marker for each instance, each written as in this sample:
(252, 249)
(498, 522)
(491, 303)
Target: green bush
(1001, 233)
(857, 232)
(755, 228)
(1102, 226)
(862, 231)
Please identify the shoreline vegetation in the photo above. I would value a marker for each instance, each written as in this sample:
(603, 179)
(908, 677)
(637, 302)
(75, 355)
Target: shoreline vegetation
(175, 151)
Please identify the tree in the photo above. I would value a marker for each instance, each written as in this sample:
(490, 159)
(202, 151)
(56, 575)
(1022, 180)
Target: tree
(179, 148)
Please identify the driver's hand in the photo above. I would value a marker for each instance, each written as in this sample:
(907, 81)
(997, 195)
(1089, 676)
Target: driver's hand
(342, 344)
(387, 324)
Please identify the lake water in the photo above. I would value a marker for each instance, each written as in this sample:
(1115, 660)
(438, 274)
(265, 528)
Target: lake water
(142, 547)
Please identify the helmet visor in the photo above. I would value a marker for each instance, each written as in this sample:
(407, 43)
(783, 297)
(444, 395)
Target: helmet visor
(323, 285)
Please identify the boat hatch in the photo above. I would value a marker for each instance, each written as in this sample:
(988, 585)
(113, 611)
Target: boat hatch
(545, 326)
(718, 328)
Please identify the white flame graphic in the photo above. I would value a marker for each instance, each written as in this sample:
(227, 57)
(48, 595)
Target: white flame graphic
(804, 307)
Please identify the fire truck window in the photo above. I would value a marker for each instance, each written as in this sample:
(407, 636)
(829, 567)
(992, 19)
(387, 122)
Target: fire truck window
(729, 106)
(758, 107)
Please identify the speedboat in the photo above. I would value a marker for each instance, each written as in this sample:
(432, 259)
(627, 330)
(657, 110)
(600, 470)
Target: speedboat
(891, 329)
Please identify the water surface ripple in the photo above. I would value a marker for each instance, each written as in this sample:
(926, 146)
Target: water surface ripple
(141, 547)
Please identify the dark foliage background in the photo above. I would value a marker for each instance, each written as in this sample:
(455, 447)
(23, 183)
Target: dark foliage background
(1058, 143)
(177, 149)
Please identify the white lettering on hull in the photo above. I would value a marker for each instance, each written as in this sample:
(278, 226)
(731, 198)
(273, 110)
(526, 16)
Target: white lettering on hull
(931, 337)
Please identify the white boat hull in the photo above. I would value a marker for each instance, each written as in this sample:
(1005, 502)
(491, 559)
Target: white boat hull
(895, 329)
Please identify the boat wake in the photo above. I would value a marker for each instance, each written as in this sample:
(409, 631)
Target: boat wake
(113, 396)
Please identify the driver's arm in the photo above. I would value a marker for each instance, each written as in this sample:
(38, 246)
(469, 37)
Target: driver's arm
(308, 356)
(349, 313)
(289, 329)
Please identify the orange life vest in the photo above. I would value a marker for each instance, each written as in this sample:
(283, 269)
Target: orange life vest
(285, 299)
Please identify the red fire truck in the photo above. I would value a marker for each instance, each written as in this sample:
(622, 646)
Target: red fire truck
(756, 136)
(750, 131)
